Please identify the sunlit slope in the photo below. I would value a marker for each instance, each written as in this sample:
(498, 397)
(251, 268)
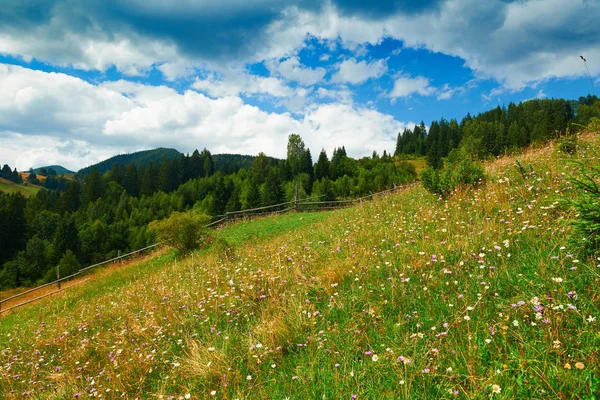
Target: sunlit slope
(479, 295)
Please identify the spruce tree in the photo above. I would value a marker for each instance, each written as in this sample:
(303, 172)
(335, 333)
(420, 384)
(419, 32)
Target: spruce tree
(322, 167)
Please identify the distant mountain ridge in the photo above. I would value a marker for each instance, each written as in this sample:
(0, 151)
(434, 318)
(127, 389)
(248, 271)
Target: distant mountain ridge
(139, 158)
(60, 170)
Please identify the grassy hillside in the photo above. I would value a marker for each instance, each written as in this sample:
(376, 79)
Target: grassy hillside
(409, 296)
(26, 188)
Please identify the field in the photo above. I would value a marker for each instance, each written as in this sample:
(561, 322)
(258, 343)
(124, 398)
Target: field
(26, 189)
(481, 295)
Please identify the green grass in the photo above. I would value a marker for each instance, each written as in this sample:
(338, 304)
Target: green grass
(408, 296)
(25, 189)
(267, 227)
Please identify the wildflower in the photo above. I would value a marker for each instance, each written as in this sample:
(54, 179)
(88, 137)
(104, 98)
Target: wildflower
(515, 322)
(249, 378)
(187, 396)
(467, 318)
(556, 344)
(591, 319)
(375, 358)
(567, 366)
(496, 389)
(214, 392)
(579, 365)
(557, 280)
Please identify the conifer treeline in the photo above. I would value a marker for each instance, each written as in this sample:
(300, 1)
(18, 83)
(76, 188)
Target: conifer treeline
(497, 131)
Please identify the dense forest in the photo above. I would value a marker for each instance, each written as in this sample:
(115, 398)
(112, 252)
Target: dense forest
(88, 219)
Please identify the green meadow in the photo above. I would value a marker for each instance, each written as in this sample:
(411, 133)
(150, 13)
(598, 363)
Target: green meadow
(483, 294)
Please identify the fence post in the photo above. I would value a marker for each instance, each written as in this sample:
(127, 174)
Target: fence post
(297, 202)
(58, 275)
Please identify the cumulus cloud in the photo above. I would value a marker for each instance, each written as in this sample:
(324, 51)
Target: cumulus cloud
(240, 82)
(406, 86)
(292, 69)
(341, 95)
(54, 110)
(356, 72)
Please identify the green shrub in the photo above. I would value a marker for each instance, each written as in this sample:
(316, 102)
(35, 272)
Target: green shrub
(68, 264)
(459, 169)
(182, 231)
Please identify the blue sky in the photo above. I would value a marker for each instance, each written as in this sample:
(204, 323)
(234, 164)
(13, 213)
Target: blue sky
(82, 81)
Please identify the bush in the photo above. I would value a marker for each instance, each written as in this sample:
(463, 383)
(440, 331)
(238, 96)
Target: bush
(459, 169)
(182, 231)
(68, 264)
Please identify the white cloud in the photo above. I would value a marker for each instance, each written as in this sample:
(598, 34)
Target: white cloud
(291, 69)
(49, 117)
(356, 72)
(341, 95)
(176, 70)
(445, 92)
(234, 83)
(33, 151)
(95, 52)
(406, 86)
(324, 57)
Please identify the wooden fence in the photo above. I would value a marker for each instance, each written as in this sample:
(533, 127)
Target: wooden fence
(298, 205)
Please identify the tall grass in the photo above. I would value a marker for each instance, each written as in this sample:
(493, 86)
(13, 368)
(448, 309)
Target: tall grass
(478, 295)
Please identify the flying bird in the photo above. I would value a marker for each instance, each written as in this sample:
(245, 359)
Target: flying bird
(584, 60)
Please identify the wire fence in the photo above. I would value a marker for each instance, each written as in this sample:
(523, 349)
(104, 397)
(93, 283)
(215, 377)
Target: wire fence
(297, 205)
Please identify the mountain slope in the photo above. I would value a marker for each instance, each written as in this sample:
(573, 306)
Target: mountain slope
(408, 296)
(142, 158)
(60, 170)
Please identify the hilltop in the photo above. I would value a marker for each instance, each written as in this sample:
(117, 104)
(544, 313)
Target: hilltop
(481, 294)
(139, 158)
(225, 162)
(60, 170)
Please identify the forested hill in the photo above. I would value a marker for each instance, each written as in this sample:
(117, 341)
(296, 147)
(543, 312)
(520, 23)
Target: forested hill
(59, 169)
(227, 163)
(139, 159)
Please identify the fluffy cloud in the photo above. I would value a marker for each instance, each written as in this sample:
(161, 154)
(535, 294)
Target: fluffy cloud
(293, 70)
(406, 86)
(66, 120)
(356, 72)
(236, 82)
